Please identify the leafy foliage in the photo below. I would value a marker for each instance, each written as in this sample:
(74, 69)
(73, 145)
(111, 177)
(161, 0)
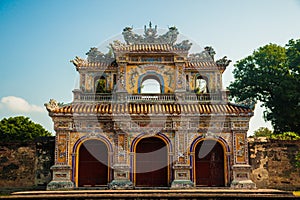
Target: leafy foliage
(20, 129)
(285, 136)
(263, 132)
(100, 86)
(272, 75)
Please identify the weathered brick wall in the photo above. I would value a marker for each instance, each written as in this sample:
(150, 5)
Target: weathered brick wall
(44, 160)
(26, 164)
(274, 163)
(17, 164)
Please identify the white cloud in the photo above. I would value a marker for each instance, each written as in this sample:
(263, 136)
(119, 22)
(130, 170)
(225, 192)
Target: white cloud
(17, 104)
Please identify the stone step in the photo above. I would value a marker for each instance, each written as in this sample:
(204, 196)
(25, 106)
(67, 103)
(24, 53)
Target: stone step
(203, 193)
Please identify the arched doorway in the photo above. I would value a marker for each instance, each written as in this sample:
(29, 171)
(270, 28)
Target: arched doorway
(151, 163)
(93, 164)
(209, 164)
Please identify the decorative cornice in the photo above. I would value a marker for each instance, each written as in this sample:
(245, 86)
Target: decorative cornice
(152, 108)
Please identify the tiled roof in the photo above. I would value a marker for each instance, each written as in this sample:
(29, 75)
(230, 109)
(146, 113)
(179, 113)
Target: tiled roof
(200, 64)
(98, 65)
(150, 108)
(149, 48)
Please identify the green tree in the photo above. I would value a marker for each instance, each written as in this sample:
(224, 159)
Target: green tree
(271, 75)
(263, 132)
(20, 129)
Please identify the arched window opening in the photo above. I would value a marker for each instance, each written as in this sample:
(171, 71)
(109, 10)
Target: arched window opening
(150, 85)
(100, 85)
(114, 80)
(201, 85)
(187, 82)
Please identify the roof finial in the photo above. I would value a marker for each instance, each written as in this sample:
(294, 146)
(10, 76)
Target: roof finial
(150, 24)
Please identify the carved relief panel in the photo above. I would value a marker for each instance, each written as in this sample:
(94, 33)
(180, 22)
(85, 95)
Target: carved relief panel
(121, 148)
(61, 150)
(240, 147)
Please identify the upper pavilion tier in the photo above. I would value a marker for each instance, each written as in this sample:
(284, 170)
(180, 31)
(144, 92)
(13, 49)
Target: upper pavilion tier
(163, 48)
(174, 70)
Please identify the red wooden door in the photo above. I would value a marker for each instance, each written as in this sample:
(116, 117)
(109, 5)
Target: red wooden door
(93, 164)
(209, 158)
(151, 163)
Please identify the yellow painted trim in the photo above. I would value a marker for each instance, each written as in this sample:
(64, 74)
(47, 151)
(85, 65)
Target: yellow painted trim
(77, 159)
(134, 159)
(296, 193)
(225, 158)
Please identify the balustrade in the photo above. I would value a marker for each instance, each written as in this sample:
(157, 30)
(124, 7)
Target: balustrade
(189, 97)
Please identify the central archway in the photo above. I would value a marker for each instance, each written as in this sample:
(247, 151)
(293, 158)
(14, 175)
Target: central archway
(150, 86)
(155, 78)
(151, 163)
(93, 164)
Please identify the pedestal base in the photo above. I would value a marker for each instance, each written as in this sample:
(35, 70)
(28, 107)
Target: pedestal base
(61, 178)
(182, 177)
(182, 184)
(245, 184)
(241, 177)
(121, 178)
(60, 185)
(120, 185)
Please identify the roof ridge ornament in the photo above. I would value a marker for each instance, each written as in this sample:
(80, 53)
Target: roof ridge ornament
(52, 105)
(150, 36)
(94, 55)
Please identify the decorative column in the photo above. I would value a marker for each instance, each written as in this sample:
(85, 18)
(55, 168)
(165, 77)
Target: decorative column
(180, 82)
(61, 179)
(241, 168)
(121, 83)
(181, 166)
(121, 166)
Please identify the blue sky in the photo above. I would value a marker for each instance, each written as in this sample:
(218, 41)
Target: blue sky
(38, 38)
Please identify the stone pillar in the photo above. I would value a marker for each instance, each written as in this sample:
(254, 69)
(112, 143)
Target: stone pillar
(182, 177)
(61, 179)
(121, 167)
(241, 168)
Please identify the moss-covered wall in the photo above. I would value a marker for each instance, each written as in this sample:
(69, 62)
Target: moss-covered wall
(274, 163)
